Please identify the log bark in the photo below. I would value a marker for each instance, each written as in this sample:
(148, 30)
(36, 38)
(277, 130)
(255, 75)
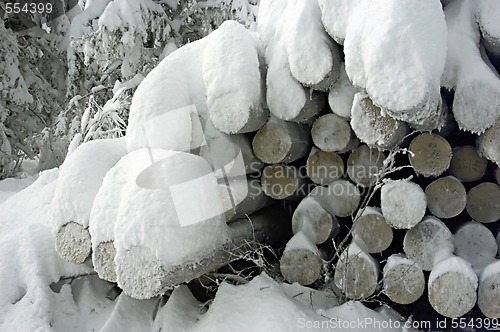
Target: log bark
(331, 133)
(430, 154)
(372, 230)
(280, 141)
(476, 244)
(356, 273)
(452, 287)
(428, 243)
(466, 164)
(483, 202)
(364, 164)
(404, 281)
(310, 218)
(373, 127)
(301, 261)
(489, 291)
(403, 203)
(341, 198)
(283, 182)
(142, 275)
(488, 143)
(73, 242)
(324, 167)
(446, 197)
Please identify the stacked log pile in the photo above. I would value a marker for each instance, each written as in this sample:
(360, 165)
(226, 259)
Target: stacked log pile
(377, 202)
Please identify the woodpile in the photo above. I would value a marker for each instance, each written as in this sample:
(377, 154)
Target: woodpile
(345, 191)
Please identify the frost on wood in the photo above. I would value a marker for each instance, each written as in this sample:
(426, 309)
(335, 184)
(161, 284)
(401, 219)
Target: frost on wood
(430, 154)
(372, 230)
(446, 197)
(403, 203)
(466, 164)
(452, 287)
(489, 291)
(487, 13)
(309, 217)
(476, 105)
(428, 243)
(476, 244)
(324, 167)
(356, 273)
(341, 95)
(340, 198)
(78, 184)
(483, 202)
(488, 143)
(404, 281)
(373, 127)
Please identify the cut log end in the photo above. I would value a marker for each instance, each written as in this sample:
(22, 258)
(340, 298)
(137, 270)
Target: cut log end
(324, 167)
(331, 133)
(73, 243)
(489, 291)
(488, 143)
(310, 217)
(475, 243)
(103, 258)
(364, 164)
(301, 265)
(466, 164)
(403, 204)
(430, 154)
(341, 198)
(282, 182)
(374, 231)
(446, 197)
(483, 202)
(404, 283)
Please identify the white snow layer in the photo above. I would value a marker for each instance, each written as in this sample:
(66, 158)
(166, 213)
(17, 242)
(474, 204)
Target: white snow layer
(491, 270)
(401, 77)
(403, 203)
(487, 14)
(476, 105)
(453, 264)
(342, 94)
(81, 177)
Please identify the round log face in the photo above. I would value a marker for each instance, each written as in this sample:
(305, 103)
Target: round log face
(452, 294)
(363, 164)
(103, 258)
(324, 167)
(446, 197)
(272, 144)
(489, 291)
(430, 154)
(73, 243)
(466, 164)
(475, 243)
(403, 204)
(300, 265)
(331, 133)
(279, 181)
(426, 240)
(483, 202)
(356, 276)
(374, 231)
(404, 284)
(489, 143)
(341, 198)
(322, 223)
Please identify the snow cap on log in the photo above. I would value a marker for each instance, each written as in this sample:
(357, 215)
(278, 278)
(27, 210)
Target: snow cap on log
(404, 281)
(403, 203)
(488, 143)
(341, 95)
(489, 292)
(310, 218)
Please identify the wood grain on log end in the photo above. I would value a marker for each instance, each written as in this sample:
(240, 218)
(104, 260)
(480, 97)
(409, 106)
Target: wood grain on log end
(466, 164)
(282, 182)
(364, 164)
(340, 198)
(324, 167)
(301, 261)
(103, 258)
(373, 230)
(356, 273)
(475, 243)
(310, 217)
(403, 203)
(489, 291)
(446, 197)
(488, 143)
(428, 242)
(483, 202)
(331, 133)
(430, 154)
(73, 242)
(404, 281)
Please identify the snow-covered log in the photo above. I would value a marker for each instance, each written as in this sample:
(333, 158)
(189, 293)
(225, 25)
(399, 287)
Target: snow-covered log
(340, 198)
(487, 13)
(356, 273)
(403, 203)
(364, 164)
(452, 287)
(483, 202)
(466, 164)
(324, 167)
(372, 230)
(281, 141)
(301, 260)
(488, 143)
(428, 243)
(312, 219)
(476, 105)
(430, 154)
(331, 133)
(489, 291)
(446, 197)
(403, 279)
(374, 127)
(476, 244)
(78, 184)
(371, 33)
(283, 182)
(341, 95)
